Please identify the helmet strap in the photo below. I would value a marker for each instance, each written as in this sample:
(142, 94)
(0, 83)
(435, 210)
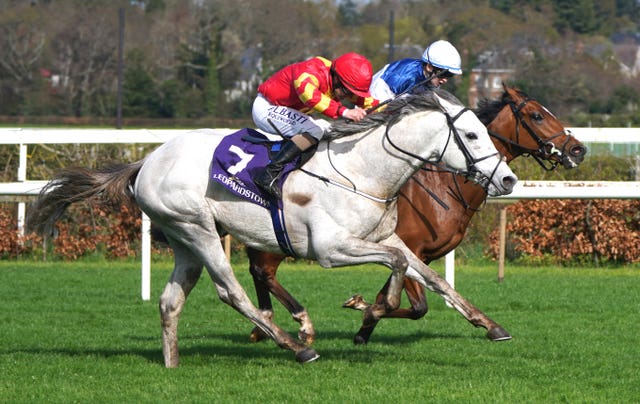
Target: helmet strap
(334, 77)
(433, 75)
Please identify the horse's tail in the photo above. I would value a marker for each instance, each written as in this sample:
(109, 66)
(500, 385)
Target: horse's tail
(112, 185)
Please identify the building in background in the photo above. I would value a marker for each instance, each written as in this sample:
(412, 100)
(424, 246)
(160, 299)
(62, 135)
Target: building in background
(487, 83)
(485, 80)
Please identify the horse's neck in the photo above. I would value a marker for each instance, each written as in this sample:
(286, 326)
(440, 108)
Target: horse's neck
(369, 161)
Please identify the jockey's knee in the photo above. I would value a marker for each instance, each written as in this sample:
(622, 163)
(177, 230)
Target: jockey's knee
(305, 140)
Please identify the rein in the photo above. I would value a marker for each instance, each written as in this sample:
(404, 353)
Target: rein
(470, 160)
(471, 172)
(351, 188)
(546, 148)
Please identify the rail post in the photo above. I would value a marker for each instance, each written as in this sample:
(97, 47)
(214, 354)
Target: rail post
(503, 242)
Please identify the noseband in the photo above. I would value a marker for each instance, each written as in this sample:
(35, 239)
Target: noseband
(546, 148)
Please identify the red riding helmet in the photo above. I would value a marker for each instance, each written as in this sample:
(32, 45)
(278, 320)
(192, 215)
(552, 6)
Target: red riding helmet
(355, 73)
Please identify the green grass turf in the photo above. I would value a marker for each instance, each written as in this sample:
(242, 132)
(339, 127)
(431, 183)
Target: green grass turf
(79, 332)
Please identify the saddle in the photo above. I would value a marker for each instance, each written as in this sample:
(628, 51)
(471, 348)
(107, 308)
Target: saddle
(242, 155)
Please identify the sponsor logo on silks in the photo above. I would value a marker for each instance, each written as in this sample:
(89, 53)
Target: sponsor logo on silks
(284, 114)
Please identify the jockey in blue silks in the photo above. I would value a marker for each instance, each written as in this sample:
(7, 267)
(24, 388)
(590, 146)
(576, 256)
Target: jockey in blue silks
(440, 61)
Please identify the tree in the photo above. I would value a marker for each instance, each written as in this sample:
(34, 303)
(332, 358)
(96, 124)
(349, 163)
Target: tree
(629, 9)
(199, 58)
(22, 45)
(577, 15)
(140, 94)
(348, 13)
(83, 49)
(213, 91)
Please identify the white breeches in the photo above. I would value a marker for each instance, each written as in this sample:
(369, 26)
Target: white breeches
(288, 121)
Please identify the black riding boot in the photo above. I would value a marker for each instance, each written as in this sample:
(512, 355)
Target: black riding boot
(268, 179)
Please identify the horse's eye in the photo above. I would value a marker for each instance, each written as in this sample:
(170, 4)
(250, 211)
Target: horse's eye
(537, 117)
(472, 136)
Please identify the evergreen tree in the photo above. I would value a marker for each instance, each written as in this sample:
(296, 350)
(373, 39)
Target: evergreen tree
(140, 95)
(577, 15)
(348, 14)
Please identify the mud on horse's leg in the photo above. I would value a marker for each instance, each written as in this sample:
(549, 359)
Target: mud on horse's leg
(210, 252)
(241, 303)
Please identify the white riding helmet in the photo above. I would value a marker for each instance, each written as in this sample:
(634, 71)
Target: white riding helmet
(443, 55)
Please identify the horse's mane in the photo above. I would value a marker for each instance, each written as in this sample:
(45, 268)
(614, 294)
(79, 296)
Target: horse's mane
(488, 110)
(393, 112)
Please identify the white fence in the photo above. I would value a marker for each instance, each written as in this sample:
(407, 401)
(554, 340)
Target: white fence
(23, 187)
(22, 137)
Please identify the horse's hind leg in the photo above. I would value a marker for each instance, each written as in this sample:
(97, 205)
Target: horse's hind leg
(185, 275)
(263, 267)
(197, 244)
(232, 293)
(257, 270)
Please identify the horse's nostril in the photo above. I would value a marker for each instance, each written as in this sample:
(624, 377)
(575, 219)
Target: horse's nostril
(578, 151)
(509, 182)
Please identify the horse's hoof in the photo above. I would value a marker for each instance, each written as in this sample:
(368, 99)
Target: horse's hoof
(498, 334)
(360, 340)
(307, 355)
(356, 302)
(257, 335)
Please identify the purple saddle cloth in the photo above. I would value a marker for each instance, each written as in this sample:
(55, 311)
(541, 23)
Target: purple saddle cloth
(239, 157)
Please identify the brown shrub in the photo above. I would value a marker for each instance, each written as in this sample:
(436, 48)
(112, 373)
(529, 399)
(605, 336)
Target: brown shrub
(605, 229)
(11, 243)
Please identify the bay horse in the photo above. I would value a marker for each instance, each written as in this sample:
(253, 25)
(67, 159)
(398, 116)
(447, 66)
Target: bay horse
(434, 211)
(324, 222)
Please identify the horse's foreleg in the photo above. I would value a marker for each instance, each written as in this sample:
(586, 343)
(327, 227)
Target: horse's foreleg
(429, 278)
(263, 267)
(434, 282)
(185, 275)
(417, 299)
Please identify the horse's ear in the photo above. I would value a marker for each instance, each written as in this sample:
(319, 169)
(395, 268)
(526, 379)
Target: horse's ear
(511, 91)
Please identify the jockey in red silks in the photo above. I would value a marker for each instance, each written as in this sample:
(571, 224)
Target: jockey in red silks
(286, 100)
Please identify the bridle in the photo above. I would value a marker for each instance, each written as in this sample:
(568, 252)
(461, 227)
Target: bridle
(471, 171)
(543, 155)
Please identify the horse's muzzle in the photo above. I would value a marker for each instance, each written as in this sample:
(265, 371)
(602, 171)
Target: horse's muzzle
(574, 156)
